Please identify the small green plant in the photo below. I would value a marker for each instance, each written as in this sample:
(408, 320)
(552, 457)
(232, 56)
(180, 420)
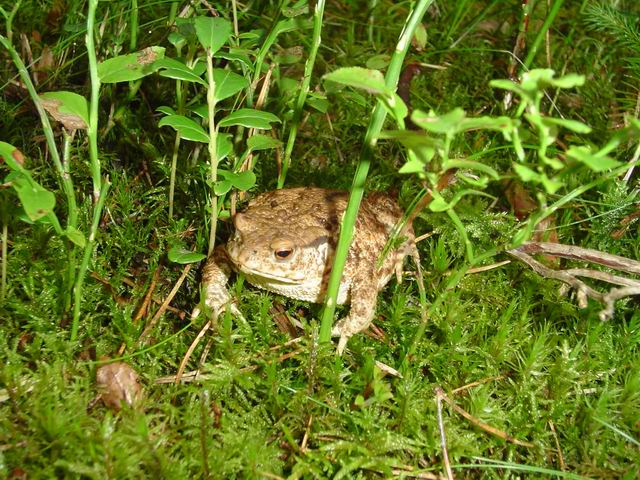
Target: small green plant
(75, 113)
(212, 34)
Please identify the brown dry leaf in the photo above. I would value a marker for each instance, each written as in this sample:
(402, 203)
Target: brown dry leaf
(69, 120)
(118, 383)
(45, 65)
(520, 200)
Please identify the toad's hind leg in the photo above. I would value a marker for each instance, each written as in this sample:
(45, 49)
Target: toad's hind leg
(363, 295)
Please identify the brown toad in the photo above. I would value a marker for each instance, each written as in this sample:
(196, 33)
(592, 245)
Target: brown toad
(284, 242)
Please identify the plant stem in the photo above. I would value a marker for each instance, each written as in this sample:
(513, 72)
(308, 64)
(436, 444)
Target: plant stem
(92, 131)
(134, 26)
(72, 220)
(9, 18)
(304, 89)
(213, 154)
(357, 188)
(555, 8)
(3, 276)
(172, 178)
(100, 186)
(88, 251)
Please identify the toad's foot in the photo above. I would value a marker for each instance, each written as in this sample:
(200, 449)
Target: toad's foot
(214, 279)
(347, 328)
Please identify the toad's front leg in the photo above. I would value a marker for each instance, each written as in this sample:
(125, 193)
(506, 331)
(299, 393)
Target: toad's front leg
(364, 293)
(215, 275)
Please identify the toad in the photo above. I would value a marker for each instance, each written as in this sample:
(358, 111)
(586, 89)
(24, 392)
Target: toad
(285, 240)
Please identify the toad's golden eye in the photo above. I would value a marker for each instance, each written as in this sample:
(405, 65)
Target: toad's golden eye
(283, 253)
(282, 248)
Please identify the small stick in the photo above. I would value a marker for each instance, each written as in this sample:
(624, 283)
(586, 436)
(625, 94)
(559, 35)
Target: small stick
(165, 304)
(305, 439)
(578, 253)
(603, 276)
(190, 350)
(485, 268)
(203, 357)
(610, 298)
(147, 298)
(558, 449)
(479, 382)
(484, 426)
(443, 437)
(408, 472)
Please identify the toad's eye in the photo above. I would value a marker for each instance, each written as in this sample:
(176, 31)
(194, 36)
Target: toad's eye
(283, 252)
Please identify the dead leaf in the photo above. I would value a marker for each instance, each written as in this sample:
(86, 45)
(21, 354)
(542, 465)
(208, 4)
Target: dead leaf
(118, 383)
(69, 120)
(520, 200)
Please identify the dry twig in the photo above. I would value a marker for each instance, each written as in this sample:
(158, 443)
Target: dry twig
(165, 304)
(583, 291)
(480, 424)
(443, 438)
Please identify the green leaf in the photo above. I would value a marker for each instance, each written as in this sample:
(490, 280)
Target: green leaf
(186, 128)
(212, 32)
(126, 68)
(471, 165)
(447, 123)
(75, 236)
(318, 101)
(569, 81)
(35, 199)
(177, 70)
(420, 37)
(503, 124)
(182, 255)
(508, 85)
(262, 142)
(201, 110)
(366, 79)
(525, 173)
(12, 156)
(249, 118)
(536, 79)
(595, 161)
(166, 110)
(222, 186)
(68, 108)
(223, 145)
(412, 166)
(421, 144)
(177, 40)
(239, 55)
(573, 125)
(379, 62)
(228, 83)
(244, 180)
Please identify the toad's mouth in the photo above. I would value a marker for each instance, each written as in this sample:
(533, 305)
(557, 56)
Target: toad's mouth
(271, 276)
